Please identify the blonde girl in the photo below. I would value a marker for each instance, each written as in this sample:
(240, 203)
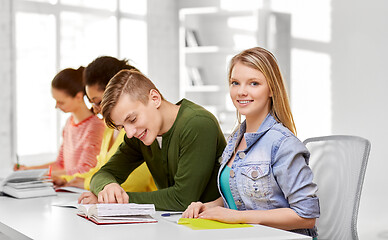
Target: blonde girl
(264, 176)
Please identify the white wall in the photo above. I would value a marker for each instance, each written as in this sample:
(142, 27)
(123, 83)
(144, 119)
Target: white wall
(6, 121)
(163, 55)
(359, 92)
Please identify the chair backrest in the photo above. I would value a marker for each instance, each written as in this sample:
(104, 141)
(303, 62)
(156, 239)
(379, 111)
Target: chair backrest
(338, 163)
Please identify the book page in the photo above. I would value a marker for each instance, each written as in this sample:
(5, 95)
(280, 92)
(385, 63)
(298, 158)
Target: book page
(84, 209)
(117, 209)
(26, 175)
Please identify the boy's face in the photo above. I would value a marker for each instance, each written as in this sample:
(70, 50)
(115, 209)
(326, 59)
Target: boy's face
(139, 120)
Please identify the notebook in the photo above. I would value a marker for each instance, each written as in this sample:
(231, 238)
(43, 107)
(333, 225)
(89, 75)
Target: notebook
(28, 184)
(202, 224)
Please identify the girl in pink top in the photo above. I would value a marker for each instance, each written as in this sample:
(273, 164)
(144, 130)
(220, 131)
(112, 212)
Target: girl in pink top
(82, 134)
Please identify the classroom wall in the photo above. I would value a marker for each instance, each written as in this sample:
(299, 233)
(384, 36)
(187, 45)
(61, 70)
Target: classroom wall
(358, 50)
(359, 97)
(163, 55)
(6, 119)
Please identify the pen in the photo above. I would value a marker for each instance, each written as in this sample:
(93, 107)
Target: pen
(170, 214)
(49, 171)
(17, 162)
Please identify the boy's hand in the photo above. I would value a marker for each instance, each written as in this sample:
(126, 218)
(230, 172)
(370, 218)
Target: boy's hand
(87, 198)
(113, 193)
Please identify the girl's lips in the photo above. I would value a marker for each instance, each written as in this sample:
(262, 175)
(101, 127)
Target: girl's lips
(244, 102)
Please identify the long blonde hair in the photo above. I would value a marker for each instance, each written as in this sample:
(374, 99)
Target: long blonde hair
(264, 61)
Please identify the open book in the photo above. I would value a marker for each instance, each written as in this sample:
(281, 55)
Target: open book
(115, 213)
(27, 184)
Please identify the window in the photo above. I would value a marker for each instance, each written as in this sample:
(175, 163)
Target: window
(51, 35)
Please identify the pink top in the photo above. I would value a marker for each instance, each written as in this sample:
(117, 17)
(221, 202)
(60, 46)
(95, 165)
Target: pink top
(81, 144)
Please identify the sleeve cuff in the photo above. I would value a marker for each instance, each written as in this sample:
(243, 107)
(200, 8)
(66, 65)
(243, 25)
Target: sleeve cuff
(307, 208)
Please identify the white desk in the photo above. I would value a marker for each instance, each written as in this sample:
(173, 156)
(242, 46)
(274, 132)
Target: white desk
(37, 219)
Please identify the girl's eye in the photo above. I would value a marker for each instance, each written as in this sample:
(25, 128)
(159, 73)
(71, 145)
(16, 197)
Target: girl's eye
(133, 120)
(254, 83)
(234, 83)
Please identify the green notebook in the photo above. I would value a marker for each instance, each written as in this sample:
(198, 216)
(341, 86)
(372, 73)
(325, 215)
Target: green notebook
(201, 224)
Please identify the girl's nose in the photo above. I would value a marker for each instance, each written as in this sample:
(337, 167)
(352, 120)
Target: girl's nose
(242, 90)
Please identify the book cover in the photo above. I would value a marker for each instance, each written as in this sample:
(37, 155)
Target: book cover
(192, 38)
(117, 220)
(29, 192)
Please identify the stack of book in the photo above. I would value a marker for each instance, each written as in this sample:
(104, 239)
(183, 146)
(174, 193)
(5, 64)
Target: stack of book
(115, 213)
(28, 183)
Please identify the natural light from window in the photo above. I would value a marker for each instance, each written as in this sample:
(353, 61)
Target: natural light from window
(74, 34)
(35, 64)
(311, 93)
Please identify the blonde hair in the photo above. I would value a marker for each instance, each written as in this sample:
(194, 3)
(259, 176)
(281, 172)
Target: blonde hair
(264, 61)
(131, 82)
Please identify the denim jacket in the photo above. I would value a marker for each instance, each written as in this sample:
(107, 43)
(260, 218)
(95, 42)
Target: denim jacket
(272, 172)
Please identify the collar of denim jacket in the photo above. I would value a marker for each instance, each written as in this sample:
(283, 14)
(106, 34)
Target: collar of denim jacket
(250, 138)
(266, 125)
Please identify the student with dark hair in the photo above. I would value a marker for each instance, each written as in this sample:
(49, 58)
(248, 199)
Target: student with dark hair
(82, 133)
(96, 76)
(102, 69)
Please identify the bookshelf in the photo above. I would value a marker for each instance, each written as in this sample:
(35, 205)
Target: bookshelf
(207, 41)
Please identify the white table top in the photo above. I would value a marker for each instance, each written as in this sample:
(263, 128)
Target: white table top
(36, 218)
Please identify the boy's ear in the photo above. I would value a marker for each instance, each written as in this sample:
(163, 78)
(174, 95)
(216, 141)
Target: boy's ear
(155, 98)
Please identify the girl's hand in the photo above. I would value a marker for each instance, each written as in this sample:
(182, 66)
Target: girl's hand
(18, 167)
(193, 210)
(58, 181)
(76, 182)
(221, 214)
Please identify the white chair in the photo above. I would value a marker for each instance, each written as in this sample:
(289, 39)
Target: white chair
(338, 163)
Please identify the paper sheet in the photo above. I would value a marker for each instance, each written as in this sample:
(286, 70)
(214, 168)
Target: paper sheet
(201, 224)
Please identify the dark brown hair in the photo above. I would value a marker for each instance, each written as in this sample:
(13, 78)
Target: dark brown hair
(102, 69)
(70, 81)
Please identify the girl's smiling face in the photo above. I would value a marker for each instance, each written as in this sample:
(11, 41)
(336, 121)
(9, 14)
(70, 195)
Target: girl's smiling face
(249, 92)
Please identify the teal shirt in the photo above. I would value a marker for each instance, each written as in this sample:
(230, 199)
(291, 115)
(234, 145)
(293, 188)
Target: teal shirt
(225, 188)
(184, 169)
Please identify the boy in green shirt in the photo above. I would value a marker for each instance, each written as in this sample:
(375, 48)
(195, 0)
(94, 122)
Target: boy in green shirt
(181, 144)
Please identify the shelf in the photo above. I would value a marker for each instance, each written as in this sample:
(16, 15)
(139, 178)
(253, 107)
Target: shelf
(203, 88)
(207, 40)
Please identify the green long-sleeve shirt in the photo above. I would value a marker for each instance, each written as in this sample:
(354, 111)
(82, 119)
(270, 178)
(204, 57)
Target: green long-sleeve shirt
(185, 167)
